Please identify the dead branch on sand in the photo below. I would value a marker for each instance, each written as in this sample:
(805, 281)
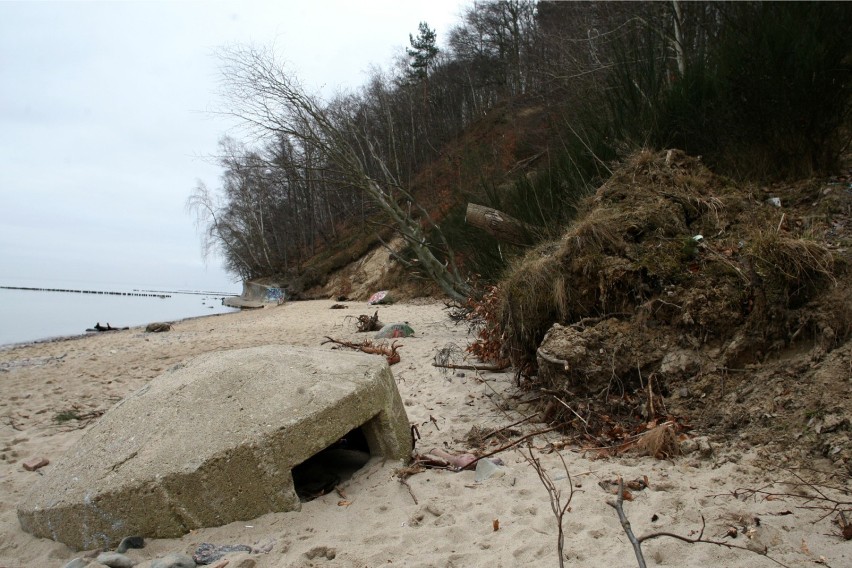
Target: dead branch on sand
(814, 495)
(368, 323)
(512, 425)
(484, 367)
(510, 445)
(452, 351)
(559, 509)
(618, 505)
(410, 491)
(366, 346)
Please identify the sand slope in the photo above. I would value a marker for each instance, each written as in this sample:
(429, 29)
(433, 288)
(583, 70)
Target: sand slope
(378, 523)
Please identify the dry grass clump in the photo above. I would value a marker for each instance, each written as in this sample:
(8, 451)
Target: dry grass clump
(667, 235)
(615, 255)
(660, 442)
(796, 262)
(534, 294)
(672, 285)
(791, 273)
(596, 232)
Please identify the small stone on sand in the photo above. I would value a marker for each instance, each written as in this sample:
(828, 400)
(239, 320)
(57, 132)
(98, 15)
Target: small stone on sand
(35, 463)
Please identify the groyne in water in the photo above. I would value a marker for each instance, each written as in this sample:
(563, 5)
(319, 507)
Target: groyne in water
(106, 293)
(191, 292)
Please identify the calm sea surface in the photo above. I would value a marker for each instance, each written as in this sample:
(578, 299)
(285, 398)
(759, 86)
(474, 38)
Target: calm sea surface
(27, 315)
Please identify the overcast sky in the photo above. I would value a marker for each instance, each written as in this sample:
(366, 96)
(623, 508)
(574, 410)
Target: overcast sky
(104, 129)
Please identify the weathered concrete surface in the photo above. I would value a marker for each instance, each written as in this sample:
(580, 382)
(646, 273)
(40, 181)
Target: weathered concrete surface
(242, 303)
(255, 295)
(214, 442)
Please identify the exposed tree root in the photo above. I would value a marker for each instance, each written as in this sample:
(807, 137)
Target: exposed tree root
(366, 346)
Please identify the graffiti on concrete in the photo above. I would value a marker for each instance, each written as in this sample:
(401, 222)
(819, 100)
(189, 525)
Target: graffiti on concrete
(274, 295)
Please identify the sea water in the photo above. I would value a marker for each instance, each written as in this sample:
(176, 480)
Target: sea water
(30, 315)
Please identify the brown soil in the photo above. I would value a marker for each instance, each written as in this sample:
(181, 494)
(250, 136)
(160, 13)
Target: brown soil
(681, 295)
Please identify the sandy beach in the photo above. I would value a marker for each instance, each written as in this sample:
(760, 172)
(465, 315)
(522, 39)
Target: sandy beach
(440, 518)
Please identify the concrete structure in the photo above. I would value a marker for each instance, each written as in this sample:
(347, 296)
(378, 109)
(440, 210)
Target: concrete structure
(214, 442)
(255, 295)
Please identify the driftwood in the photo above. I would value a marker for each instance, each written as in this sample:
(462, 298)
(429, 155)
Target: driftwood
(366, 346)
(501, 226)
(369, 323)
(484, 367)
(107, 327)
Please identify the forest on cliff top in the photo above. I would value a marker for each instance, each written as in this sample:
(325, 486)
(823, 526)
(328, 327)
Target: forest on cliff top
(523, 106)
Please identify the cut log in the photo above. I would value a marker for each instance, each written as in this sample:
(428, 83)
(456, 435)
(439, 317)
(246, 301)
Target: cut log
(501, 226)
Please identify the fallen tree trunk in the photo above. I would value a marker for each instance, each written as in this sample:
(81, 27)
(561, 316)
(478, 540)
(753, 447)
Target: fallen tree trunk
(501, 226)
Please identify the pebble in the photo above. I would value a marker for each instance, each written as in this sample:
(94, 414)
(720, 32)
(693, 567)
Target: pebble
(115, 560)
(35, 463)
(321, 551)
(174, 561)
(700, 444)
(704, 447)
(208, 553)
(129, 542)
(77, 563)
(237, 563)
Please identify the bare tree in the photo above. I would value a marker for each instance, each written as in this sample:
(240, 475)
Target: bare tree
(219, 234)
(270, 101)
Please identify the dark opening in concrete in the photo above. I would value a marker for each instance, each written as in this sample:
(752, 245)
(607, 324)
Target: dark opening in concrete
(325, 470)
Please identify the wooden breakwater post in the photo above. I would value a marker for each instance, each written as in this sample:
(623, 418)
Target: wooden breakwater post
(105, 292)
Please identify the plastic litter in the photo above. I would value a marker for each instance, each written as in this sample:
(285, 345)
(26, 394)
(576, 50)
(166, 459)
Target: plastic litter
(394, 330)
(486, 469)
(382, 297)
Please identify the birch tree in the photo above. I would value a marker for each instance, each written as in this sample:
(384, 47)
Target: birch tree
(269, 101)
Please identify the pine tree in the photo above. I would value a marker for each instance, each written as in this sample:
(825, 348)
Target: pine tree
(422, 51)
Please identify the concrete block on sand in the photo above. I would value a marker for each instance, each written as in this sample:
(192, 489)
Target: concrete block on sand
(213, 442)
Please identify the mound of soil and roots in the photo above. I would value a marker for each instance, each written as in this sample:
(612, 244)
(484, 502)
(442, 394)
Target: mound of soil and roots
(679, 297)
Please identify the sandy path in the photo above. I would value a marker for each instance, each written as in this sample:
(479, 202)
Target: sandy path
(452, 523)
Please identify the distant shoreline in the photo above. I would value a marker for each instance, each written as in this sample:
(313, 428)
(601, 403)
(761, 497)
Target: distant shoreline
(77, 336)
(38, 312)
